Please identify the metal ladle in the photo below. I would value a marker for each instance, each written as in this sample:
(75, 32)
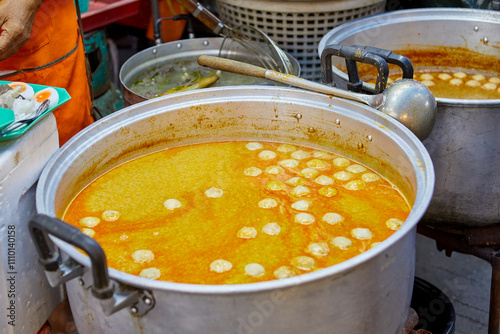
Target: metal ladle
(255, 41)
(408, 101)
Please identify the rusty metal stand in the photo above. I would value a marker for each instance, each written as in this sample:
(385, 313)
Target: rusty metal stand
(480, 242)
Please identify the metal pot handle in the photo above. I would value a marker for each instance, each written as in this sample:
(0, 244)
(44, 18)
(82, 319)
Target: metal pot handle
(114, 296)
(392, 58)
(41, 226)
(368, 55)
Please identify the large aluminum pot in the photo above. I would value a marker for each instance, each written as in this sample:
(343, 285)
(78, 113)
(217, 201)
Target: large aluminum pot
(368, 293)
(176, 54)
(464, 144)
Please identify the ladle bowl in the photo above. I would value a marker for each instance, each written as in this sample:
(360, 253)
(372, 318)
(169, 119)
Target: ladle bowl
(412, 104)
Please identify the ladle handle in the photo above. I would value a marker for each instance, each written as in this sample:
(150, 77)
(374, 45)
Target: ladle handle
(238, 67)
(233, 66)
(205, 16)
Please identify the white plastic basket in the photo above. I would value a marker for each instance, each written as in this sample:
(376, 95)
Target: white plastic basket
(297, 26)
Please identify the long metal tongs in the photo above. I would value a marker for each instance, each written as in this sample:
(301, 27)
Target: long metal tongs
(253, 40)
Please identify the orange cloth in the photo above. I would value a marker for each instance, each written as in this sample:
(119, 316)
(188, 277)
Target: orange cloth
(54, 34)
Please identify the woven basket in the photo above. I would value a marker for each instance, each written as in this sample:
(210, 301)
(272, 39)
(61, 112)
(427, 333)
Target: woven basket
(297, 26)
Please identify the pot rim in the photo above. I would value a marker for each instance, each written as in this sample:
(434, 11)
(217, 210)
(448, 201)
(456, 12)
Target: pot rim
(340, 33)
(396, 131)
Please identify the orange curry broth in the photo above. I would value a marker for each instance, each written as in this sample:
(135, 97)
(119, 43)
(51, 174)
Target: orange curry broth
(186, 240)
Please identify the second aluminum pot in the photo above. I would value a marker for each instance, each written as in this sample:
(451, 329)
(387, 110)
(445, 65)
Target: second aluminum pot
(369, 293)
(464, 144)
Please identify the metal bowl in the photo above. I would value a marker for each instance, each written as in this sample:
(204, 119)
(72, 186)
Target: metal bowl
(185, 53)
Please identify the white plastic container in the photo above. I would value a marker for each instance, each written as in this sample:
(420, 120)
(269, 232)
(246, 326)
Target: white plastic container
(26, 299)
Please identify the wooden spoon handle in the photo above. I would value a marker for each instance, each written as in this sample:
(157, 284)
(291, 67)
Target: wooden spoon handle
(233, 66)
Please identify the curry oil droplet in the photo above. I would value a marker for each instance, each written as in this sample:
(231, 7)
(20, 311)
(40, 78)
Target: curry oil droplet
(360, 145)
